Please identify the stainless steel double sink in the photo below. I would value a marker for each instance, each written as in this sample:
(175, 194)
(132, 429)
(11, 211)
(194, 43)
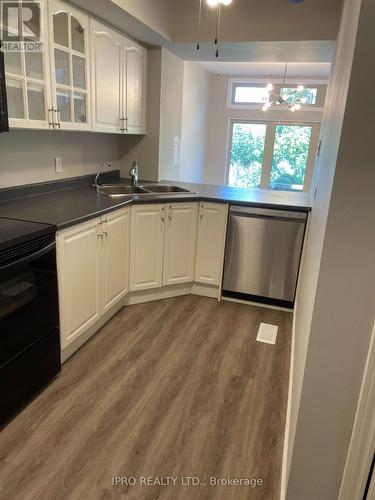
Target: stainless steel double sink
(119, 190)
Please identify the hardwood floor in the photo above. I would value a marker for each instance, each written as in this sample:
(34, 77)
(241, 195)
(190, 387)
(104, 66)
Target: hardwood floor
(177, 387)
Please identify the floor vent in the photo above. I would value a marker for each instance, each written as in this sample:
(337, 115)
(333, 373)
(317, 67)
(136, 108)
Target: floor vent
(267, 333)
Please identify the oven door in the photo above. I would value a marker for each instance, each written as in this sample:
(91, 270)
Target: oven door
(28, 300)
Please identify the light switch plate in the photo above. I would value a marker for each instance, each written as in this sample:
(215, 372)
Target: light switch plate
(58, 165)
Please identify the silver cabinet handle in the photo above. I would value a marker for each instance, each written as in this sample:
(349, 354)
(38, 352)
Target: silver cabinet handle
(170, 213)
(163, 215)
(124, 124)
(58, 118)
(51, 123)
(201, 210)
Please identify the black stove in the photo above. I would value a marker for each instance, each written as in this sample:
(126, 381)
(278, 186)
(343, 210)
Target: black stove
(14, 232)
(29, 313)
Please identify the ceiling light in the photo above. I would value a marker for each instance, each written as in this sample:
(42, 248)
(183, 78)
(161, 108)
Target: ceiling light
(218, 4)
(277, 98)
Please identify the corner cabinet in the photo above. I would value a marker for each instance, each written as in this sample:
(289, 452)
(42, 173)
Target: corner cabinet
(147, 246)
(93, 271)
(69, 45)
(118, 82)
(163, 238)
(212, 227)
(180, 242)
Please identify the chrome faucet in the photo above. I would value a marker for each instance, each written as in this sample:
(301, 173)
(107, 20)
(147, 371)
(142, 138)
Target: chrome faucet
(105, 164)
(134, 172)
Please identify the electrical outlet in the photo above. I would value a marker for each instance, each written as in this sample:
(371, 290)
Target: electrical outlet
(58, 165)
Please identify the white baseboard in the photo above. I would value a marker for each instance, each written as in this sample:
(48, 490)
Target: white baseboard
(284, 466)
(156, 294)
(203, 290)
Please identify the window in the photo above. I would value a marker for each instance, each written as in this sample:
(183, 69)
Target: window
(290, 157)
(308, 95)
(272, 155)
(247, 154)
(251, 94)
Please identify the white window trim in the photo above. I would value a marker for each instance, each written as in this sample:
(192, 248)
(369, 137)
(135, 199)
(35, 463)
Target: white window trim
(261, 81)
(268, 149)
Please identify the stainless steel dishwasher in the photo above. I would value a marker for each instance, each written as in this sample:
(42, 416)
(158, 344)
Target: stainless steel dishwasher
(263, 254)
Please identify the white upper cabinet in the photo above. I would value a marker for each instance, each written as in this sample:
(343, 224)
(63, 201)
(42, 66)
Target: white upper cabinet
(180, 241)
(212, 226)
(86, 77)
(69, 49)
(106, 60)
(146, 246)
(118, 81)
(134, 88)
(28, 82)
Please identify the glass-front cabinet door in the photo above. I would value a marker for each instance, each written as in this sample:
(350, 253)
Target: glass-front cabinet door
(69, 39)
(27, 75)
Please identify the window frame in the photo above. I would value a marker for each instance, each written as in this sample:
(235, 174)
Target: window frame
(319, 84)
(269, 148)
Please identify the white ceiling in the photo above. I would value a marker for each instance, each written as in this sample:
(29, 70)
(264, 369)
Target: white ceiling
(264, 69)
(303, 51)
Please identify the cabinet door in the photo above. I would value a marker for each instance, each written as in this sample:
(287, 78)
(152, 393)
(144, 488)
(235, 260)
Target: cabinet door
(146, 246)
(69, 36)
(28, 80)
(115, 257)
(106, 46)
(180, 243)
(134, 88)
(78, 258)
(212, 224)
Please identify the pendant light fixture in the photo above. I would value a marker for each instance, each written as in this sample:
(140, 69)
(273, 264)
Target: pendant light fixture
(218, 5)
(276, 98)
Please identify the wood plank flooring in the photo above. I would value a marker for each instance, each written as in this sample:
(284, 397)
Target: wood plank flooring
(173, 388)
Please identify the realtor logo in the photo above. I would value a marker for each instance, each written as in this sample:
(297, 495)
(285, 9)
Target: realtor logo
(21, 25)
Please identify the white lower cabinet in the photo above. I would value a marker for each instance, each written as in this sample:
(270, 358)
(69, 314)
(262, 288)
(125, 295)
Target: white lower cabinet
(93, 263)
(180, 241)
(147, 245)
(212, 226)
(115, 257)
(163, 241)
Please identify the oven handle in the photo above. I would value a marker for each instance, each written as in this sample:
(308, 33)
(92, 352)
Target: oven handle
(30, 257)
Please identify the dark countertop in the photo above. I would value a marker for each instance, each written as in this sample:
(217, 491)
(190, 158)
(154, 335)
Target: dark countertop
(71, 205)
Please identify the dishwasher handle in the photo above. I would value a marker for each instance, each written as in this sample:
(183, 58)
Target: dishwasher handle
(267, 213)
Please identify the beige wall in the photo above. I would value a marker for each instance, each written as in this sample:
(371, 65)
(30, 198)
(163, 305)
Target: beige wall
(196, 90)
(219, 117)
(172, 77)
(155, 13)
(246, 21)
(336, 296)
(28, 156)
(154, 151)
